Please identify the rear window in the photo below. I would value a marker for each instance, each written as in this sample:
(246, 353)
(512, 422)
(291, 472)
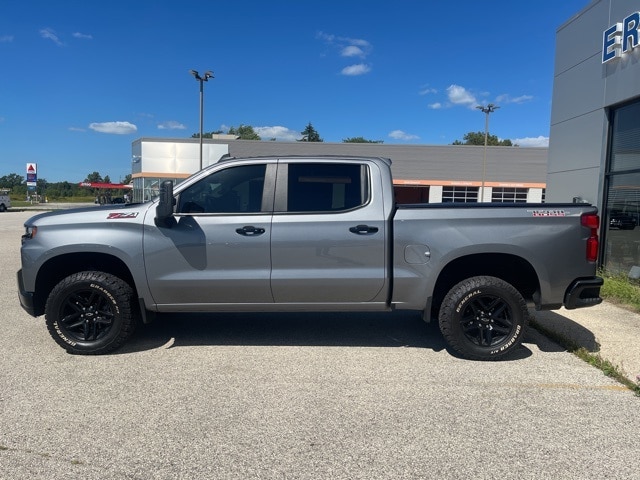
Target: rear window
(326, 187)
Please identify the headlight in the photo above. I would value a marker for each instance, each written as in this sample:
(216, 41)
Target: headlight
(29, 232)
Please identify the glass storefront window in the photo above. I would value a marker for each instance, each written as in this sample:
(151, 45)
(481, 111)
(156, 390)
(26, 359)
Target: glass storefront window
(147, 188)
(509, 195)
(460, 194)
(622, 196)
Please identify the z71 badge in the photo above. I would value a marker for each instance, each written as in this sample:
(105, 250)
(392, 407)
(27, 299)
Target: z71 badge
(118, 216)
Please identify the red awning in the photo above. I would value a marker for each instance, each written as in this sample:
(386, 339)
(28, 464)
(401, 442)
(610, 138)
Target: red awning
(120, 186)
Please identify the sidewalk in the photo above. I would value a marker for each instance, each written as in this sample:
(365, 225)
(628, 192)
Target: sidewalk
(607, 330)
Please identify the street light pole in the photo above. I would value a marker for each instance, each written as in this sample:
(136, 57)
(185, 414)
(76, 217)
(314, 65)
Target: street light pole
(201, 79)
(486, 110)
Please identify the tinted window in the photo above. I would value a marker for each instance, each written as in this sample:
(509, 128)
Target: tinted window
(232, 190)
(326, 187)
(622, 194)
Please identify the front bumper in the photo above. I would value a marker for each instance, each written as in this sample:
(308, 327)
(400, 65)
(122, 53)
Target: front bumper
(26, 298)
(583, 292)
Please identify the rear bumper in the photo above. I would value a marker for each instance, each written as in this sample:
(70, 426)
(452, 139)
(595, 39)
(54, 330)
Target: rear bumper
(26, 298)
(583, 292)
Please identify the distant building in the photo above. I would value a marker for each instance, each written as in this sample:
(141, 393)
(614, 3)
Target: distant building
(422, 173)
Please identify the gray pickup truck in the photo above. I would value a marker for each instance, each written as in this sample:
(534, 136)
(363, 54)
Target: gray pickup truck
(298, 234)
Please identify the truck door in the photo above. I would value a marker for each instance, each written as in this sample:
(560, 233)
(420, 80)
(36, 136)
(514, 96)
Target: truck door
(219, 250)
(328, 234)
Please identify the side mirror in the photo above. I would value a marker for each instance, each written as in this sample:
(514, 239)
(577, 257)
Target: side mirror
(164, 210)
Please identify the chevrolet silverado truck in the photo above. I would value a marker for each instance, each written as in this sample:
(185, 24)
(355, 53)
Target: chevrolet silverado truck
(298, 234)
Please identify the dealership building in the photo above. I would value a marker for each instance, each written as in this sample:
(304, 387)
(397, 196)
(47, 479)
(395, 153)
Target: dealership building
(594, 146)
(422, 173)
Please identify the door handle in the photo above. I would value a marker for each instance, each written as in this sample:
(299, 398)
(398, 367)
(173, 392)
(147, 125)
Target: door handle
(363, 230)
(250, 231)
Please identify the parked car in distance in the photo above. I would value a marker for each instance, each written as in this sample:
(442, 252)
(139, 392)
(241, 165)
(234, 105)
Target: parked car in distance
(622, 221)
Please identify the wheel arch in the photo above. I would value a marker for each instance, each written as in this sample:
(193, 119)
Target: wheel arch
(57, 268)
(512, 269)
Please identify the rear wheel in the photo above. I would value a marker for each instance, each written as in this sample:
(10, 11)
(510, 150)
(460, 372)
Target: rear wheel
(90, 313)
(483, 318)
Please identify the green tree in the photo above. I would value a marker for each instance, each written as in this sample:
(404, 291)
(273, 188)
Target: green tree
(94, 177)
(11, 180)
(309, 134)
(244, 132)
(477, 138)
(360, 140)
(127, 179)
(207, 135)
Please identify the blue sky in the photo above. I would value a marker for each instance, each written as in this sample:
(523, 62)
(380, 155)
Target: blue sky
(80, 80)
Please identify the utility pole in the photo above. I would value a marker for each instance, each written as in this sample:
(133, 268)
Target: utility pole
(201, 79)
(486, 110)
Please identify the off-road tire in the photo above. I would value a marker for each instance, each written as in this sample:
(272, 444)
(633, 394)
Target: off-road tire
(90, 313)
(483, 318)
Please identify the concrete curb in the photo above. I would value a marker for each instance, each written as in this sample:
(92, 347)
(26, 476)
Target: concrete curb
(606, 329)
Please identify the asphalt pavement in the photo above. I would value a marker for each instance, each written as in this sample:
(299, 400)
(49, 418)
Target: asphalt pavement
(307, 396)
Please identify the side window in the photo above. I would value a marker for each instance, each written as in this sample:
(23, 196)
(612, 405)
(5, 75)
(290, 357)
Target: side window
(326, 187)
(232, 190)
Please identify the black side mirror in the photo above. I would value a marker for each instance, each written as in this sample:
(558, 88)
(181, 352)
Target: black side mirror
(164, 210)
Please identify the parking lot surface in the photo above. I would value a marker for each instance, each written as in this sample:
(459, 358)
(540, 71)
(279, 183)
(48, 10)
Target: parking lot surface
(299, 396)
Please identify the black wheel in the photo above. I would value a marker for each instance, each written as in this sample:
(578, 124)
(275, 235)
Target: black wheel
(90, 313)
(483, 318)
(2, 207)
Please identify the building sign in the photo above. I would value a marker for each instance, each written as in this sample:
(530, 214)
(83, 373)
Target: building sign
(621, 38)
(32, 175)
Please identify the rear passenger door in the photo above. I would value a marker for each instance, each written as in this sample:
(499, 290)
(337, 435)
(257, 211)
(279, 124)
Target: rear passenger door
(328, 234)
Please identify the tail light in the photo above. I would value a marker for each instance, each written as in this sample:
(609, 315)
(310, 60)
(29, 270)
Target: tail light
(592, 221)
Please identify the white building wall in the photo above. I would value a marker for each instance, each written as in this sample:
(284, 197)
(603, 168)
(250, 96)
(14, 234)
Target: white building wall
(534, 195)
(435, 194)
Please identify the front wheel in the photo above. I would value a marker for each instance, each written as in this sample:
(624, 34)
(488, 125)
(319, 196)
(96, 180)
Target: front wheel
(483, 318)
(90, 313)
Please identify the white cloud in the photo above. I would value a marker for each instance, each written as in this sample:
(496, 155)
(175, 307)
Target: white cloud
(349, 48)
(352, 51)
(435, 106)
(83, 36)
(326, 37)
(532, 141)
(357, 69)
(49, 34)
(6, 38)
(427, 91)
(506, 98)
(400, 135)
(76, 129)
(117, 128)
(171, 125)
(341, 42)
(277, 132)
(461, 96)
